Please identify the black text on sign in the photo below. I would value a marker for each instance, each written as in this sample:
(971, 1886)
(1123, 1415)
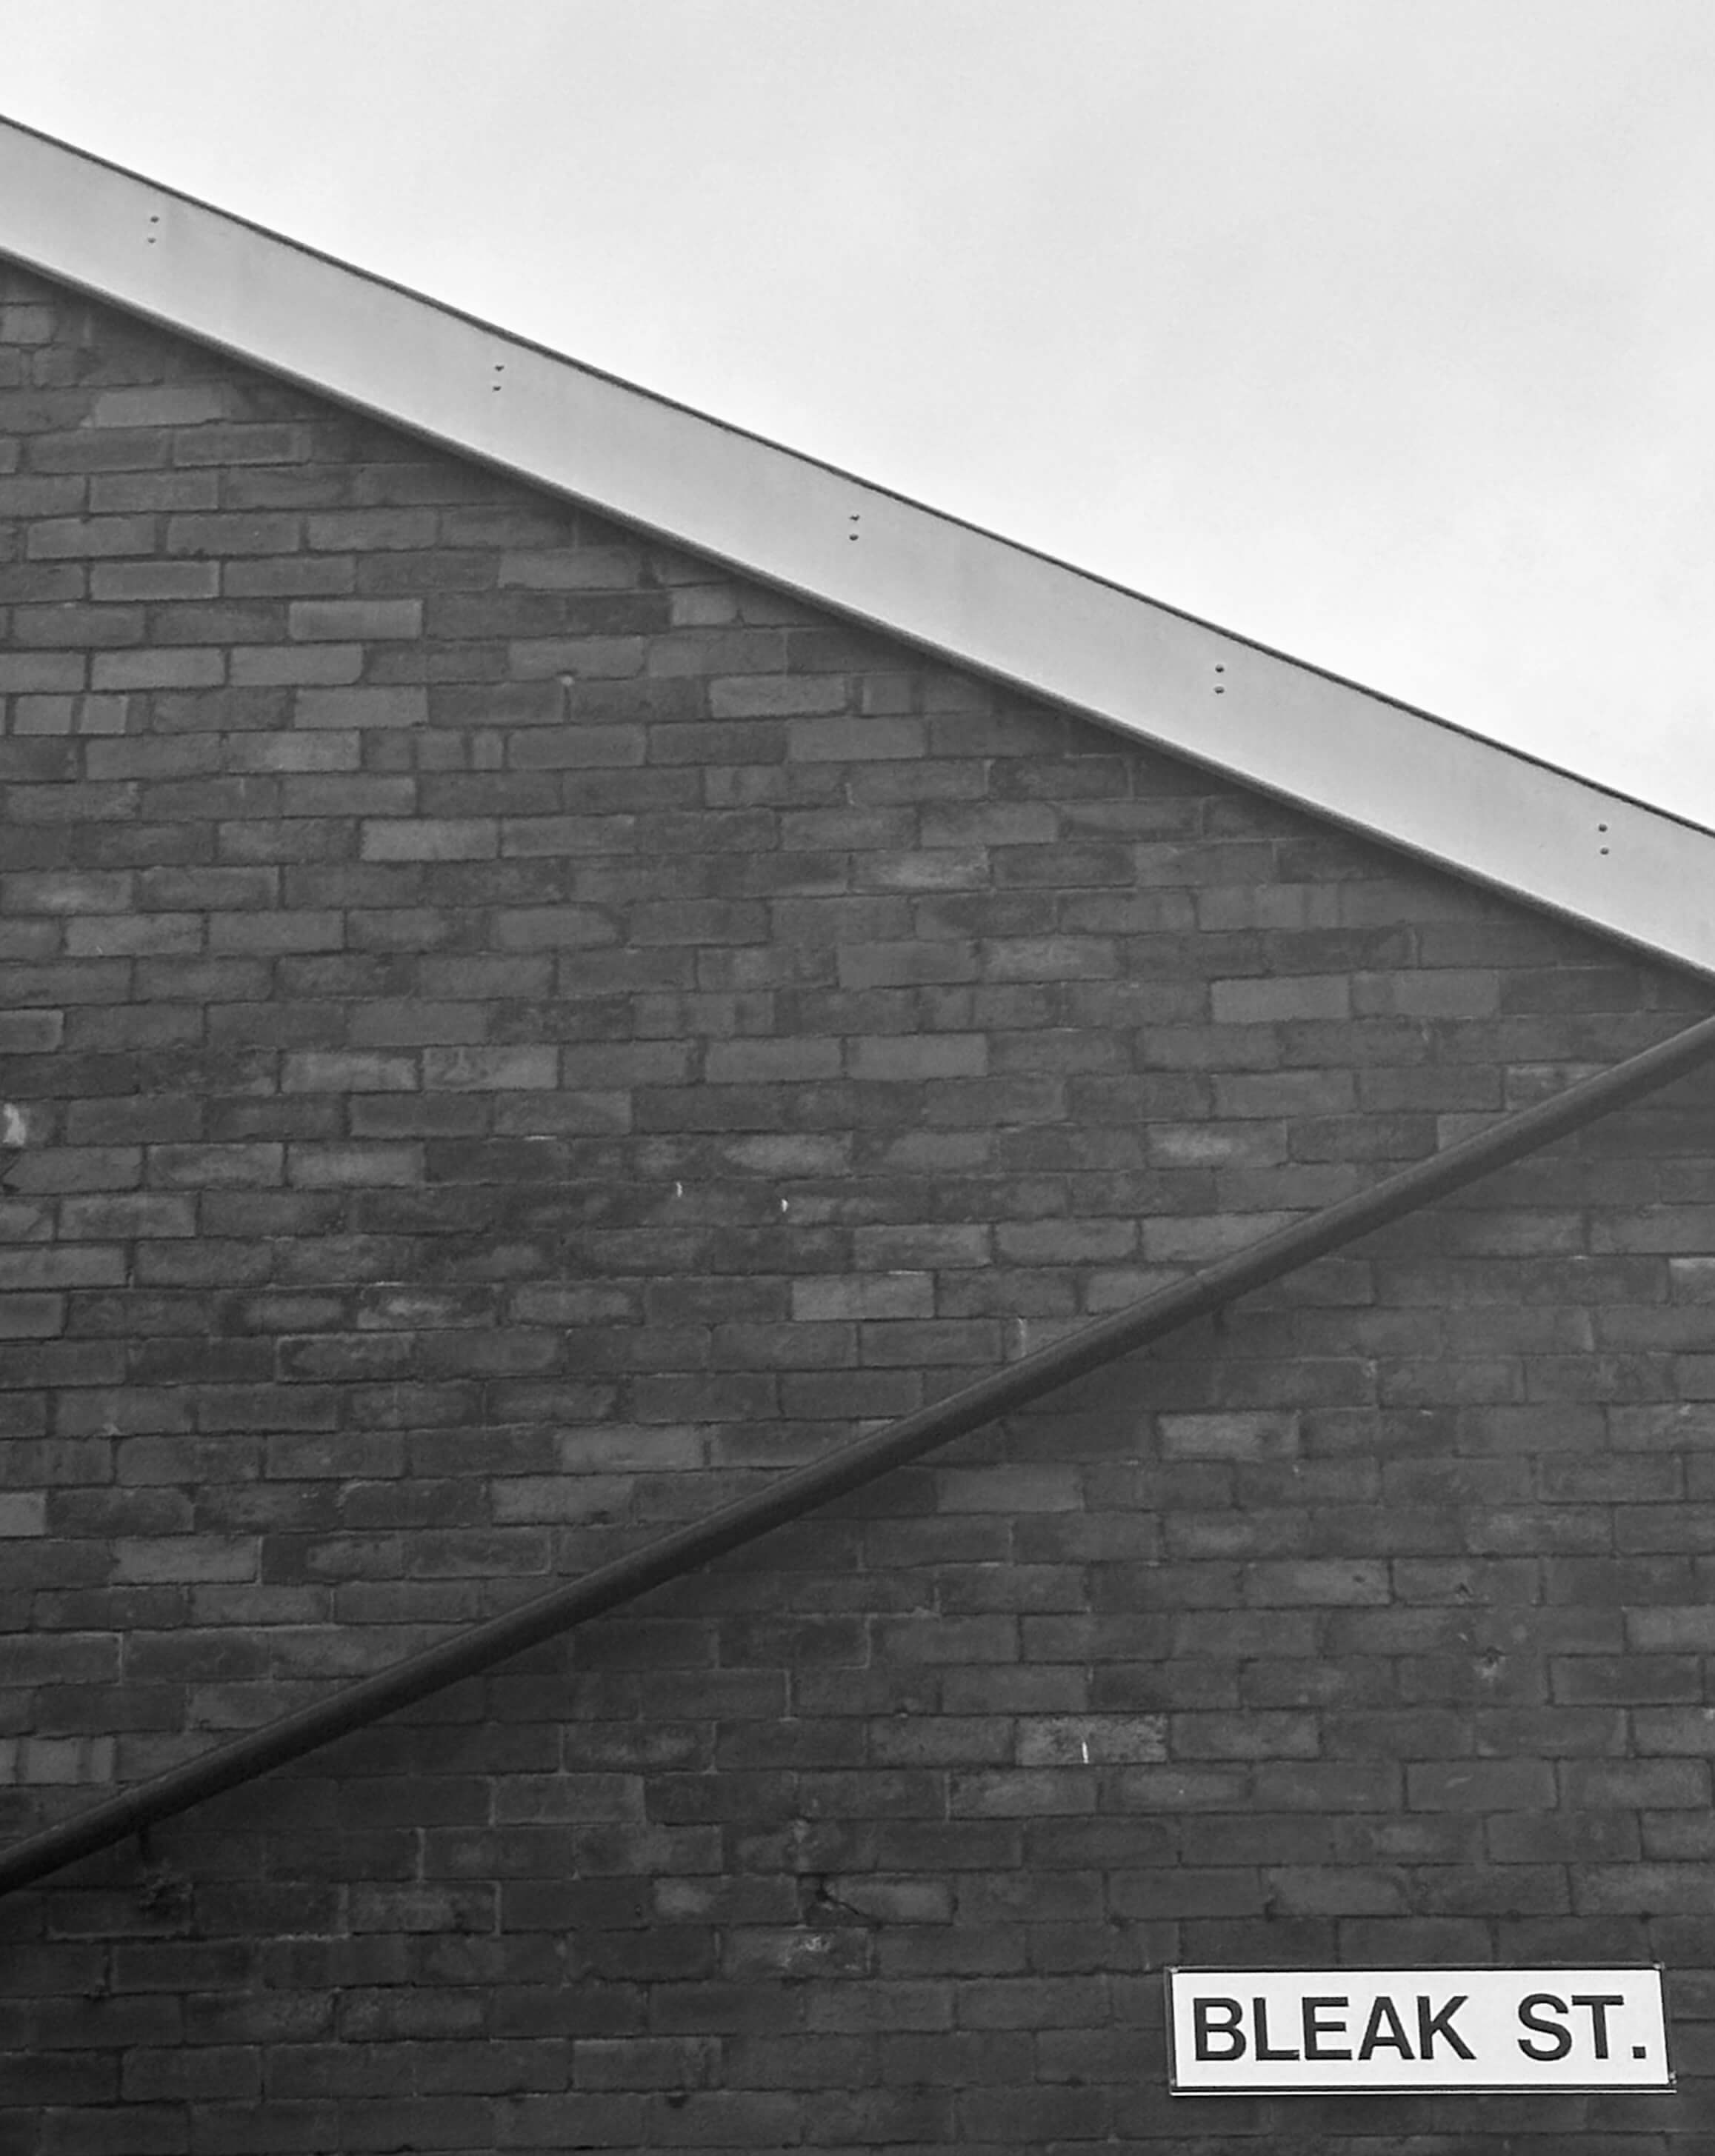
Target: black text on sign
(1283, 2032)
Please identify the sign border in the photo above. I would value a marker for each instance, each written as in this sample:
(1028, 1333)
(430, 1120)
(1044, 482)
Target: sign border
(1171, 1969)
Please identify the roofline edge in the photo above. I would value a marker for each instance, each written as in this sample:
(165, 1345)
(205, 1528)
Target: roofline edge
(1402, 777)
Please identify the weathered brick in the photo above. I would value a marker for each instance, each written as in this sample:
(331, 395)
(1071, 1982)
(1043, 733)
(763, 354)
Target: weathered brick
(58, 538)
(41, 496)
(427, 838)
(125, 1216)
(154, 580)
(487, 1070)
(490, 1097)
(178, 1167)
(151, 935)
(317, 665)
(324, 1166)
(31, 1032)
(193, 668)
(270, 934)
(23, 673)
(359, 708)
(347, 621)
(184, 1557)
(120, 492)
(223, 535)
(170, 404)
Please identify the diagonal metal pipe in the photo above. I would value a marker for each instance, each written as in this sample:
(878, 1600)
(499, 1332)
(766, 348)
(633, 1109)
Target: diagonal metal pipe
(848, 1467)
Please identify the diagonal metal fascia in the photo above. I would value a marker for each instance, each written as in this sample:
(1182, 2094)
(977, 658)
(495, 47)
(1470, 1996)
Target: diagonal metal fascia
(1149, 671)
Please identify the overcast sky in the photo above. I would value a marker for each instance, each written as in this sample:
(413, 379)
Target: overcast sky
(1382, 330)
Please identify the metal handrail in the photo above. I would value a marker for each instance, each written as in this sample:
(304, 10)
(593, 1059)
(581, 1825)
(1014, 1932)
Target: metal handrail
(848, 1467)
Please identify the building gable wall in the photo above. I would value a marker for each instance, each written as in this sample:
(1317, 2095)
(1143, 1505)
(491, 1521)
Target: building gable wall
(512, 1034)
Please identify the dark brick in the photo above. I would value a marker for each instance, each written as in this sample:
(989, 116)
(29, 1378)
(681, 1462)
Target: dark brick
(492, 1098)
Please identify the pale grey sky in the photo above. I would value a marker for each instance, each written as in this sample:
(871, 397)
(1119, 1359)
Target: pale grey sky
(1382, 330)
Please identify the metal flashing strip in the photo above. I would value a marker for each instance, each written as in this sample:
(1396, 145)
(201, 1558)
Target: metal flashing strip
(1061, 634)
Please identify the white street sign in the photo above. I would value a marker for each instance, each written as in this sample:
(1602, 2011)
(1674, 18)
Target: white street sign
(1290, 2032)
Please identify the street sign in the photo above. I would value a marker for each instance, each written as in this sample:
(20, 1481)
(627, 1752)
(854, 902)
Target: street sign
(1292, 2032)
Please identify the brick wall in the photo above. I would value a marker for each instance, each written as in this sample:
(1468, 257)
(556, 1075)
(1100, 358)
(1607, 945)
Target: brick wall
(511, 1035)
